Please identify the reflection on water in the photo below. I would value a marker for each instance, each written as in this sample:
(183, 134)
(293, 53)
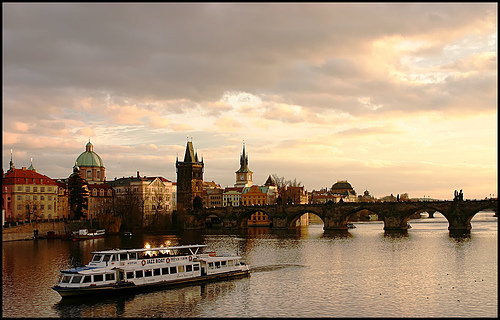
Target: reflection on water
(305, 272)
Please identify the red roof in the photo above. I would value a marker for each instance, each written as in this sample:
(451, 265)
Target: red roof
(25, 176)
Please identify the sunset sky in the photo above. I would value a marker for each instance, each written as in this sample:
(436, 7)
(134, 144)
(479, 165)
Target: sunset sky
(394, 98)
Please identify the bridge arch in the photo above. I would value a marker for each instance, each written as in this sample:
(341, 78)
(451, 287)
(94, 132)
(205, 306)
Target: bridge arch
(292, 220)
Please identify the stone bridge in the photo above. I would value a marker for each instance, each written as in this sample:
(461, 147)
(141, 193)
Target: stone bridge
(336, 215)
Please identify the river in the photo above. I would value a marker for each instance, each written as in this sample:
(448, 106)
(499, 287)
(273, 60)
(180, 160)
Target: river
(295, 273)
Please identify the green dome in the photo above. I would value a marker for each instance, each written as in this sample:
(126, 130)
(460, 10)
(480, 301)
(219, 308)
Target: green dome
(89, 158)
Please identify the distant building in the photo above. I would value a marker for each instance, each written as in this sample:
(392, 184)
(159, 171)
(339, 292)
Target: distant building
(28, 195)
(212, 194)
(343, 191)
(154, 194)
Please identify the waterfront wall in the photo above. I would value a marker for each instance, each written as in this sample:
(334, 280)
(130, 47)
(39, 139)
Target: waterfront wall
(25, 231)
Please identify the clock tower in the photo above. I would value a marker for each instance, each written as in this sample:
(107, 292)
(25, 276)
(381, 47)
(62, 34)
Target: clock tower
(243, 175)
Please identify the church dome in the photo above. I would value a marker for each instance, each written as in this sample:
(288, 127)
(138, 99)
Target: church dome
(89, 158)
(342, 185)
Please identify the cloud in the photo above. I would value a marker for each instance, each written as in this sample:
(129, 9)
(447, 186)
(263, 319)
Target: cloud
(87, 132)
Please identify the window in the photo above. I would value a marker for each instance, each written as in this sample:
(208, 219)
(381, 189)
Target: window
(196, 267)
(35, 189)
(189, 268)
(87, 279)
(27, 189)
(19, 188)
(18, 197)
(138, 274)
(76, 279)
(156, 272)
(42, 206)
(148, 273)
(50, 207)
(97, 258)
(223, 263)
(130, 275)
(43, 198)
(42, 189)
(35, 197)
(106, 258)
(89, 174)
(110, 276)
(98, 277)
(50, 189)
(173, 270)
(66, 279)
(217, 264)
(123, 256)
(132, 256)
(164, 270)
(181, 269)
(210, 265)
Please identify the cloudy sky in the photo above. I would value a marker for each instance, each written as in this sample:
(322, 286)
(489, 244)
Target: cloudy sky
(394, 98)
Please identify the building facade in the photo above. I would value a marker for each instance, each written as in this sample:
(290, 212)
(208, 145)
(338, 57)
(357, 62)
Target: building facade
(28, 195)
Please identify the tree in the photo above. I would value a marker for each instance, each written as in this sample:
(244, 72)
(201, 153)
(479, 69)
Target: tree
(78, 197)
(130, 209)
(286, 189)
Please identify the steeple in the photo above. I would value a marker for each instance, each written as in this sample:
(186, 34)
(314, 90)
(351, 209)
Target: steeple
(243, 175)
(11, 167)
(31, 167)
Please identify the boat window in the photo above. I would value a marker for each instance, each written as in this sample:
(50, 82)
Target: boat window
(113, 257)
(123, 256)
(156, 272)
(132, 256)
(164, 270)
(66, 279)
(138, 274)
(60, 277)
(210, 265)
(181, 269)
(196, 267)
(189, 268)
(148, 273)
(223, 263)
(230, 263)
(110, 276)
(173, 270)
(217, 264)
(98, 277)
(87, 279)
(106, 258)
(97, 258)
(130, 275)
(76, 279)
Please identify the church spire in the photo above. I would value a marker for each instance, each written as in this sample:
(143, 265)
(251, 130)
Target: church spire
(31, 167)
(11, 163)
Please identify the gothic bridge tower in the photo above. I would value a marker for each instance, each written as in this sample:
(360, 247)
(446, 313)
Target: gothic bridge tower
(189, 178)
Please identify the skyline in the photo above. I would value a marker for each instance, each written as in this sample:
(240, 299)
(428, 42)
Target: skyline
(394, 98)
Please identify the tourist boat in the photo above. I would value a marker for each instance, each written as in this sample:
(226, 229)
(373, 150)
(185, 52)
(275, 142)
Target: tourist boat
(85, 234)
(149, 268)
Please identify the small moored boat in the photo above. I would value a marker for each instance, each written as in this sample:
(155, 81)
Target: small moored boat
(125, 269)
(86, 234)
(350, 225)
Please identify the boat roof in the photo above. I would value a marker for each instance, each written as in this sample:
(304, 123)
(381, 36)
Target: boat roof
(190, 246)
